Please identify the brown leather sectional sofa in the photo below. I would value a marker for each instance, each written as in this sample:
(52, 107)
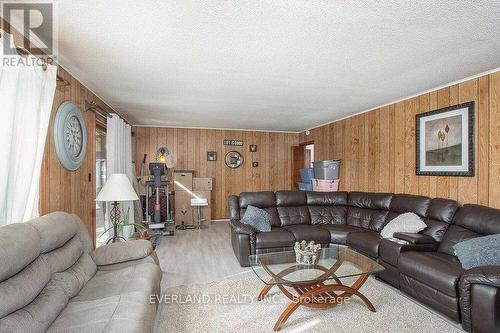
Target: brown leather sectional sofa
(425, 268)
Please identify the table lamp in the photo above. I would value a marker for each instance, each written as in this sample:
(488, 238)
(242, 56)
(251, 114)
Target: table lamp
(117, 188)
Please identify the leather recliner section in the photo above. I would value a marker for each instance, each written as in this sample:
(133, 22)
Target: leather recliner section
(425, 267)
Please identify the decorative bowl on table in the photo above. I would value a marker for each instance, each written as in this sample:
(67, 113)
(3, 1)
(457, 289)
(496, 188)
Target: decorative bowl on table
(307, 253)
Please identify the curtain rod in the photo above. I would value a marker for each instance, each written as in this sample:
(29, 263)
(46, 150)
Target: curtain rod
(24, 53)
(61, 82)
(92, 106)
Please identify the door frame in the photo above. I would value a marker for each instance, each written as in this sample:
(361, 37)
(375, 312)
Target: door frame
(295, 170)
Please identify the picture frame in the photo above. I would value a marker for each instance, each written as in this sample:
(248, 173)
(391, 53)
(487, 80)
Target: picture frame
(445, 141)
(211, 156)
(253, 148)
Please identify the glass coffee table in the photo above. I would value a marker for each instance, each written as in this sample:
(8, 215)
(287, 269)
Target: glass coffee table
(315, 286)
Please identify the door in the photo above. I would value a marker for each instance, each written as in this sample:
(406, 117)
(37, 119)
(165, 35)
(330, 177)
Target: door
(299, 162)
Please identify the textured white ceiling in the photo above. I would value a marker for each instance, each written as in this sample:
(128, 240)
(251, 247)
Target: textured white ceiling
(271, 65)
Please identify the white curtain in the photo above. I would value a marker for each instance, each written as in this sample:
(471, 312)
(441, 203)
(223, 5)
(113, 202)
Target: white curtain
(26, 96)
(119, 160)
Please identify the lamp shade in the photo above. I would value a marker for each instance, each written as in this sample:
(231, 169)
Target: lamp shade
(117, 188)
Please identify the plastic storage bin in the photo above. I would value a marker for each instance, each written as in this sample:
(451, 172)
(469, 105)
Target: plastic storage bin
(326, 173)
(307, 174)
(326, 164)
(305, 186)
(327, 169)
(325, 185)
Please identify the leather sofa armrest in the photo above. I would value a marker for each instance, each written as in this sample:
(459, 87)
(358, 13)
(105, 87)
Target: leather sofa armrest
(116, 253)
(485, 278)
(241, 228)
(414, 238)
(234, 208)
(389, 251)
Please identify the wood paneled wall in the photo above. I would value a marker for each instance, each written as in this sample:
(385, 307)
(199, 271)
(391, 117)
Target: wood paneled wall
(377, 148)
(190, 147)
(60, 189)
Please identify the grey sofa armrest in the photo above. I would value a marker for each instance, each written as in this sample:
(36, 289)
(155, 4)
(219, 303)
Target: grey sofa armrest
(486, 298)
(116, 253)
(241, 228)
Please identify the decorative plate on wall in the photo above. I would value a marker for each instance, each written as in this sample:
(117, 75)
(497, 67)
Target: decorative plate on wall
(233, 159)
(70, 136)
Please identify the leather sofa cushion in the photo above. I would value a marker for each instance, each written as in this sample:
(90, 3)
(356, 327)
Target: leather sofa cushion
(380, 201)
(442, 210)
(469, 222)
(479, 219)
(291, 198)
(265, 200)
(447, 305)
(366, 242)
(326, 198)
(275, 219)
(455, 234)
(439, 216)
(328, 214)
(366, 218)
(309, 233)
(339, 232)
(404, 203)
(294, 215)
(258, 199)
(437, 270)
(277, 237)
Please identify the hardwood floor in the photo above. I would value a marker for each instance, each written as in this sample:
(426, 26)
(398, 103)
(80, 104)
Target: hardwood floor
(199, 256)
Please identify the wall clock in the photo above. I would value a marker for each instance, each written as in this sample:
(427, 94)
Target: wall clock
(70, 136)
(233, 159)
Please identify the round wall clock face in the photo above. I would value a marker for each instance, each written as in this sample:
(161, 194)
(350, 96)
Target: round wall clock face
(233, 159)
(70, 136)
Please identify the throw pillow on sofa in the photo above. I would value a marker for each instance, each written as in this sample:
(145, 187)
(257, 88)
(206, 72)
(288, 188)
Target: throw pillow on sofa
(407, 222)
(480, 251)
(257, 218)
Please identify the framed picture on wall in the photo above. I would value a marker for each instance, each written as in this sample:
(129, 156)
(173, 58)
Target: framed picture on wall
(445, 141)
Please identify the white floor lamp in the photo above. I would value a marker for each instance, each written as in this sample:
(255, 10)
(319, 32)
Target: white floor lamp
(117, 188)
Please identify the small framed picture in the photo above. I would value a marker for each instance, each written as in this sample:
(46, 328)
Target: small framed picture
(445, 141)
(255, 164)
(211, 156)
(253, 148)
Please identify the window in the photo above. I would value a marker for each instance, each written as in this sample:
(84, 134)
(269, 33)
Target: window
(100, 179)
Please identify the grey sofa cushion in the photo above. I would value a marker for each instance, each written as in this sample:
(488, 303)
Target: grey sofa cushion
(55, 230)
(113, 301)
(22, 288)
(257, 218)
(64, 257)
(19, 246)
(480, 251)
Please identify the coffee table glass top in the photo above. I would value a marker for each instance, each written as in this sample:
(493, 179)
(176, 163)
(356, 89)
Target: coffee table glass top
(335, 262)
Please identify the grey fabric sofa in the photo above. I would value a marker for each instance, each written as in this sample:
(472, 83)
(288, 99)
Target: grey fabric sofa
(52, 280)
